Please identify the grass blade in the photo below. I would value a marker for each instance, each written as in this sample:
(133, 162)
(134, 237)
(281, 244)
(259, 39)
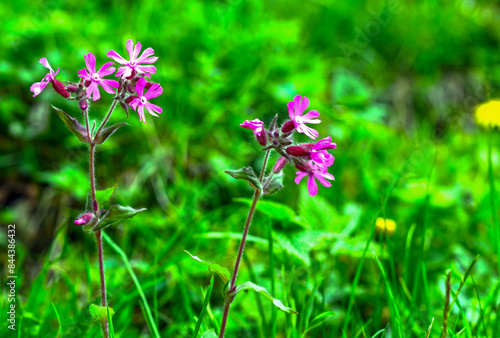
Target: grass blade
(149, 316)
(203, 309)
(58, 319)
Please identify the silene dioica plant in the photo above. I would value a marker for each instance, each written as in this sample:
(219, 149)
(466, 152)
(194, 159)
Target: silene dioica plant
(131, 90)
(311, 160)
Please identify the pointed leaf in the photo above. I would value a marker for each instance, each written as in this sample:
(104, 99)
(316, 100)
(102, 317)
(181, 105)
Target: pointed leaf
(102, 196)
(251, 286)
(275, 184)
(209, 334)
(223, 273)
(100, 313)
(115, 214)
(73, 125)
(107, 132)
(246, 173)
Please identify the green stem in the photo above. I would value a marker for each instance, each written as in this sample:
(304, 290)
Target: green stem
(108, 115)
(232, 285)
(494, 210)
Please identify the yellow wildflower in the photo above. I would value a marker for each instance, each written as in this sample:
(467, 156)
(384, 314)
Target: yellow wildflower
(385, 225)
(488, 114)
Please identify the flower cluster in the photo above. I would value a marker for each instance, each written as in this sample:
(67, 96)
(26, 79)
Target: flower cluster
(129, 89)
(311, 159)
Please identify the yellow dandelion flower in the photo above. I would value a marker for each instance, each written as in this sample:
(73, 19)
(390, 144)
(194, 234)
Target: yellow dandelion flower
(488, 114)
(385, 225)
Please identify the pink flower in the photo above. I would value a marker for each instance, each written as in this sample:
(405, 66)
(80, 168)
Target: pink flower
(319, 153)
(256, 125)
(134, 63)
(96, 78)
(84, 219)
(295, 109)
(37, 87)
(142, 100)
(313, 172)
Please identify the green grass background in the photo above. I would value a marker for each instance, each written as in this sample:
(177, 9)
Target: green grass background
(400, 93)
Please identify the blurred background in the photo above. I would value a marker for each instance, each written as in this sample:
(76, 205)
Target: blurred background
(395, 82)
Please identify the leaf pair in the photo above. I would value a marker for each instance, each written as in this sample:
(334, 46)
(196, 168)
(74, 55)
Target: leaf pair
(225, 276)
(272, 184)
(114, 214)
(81, 132)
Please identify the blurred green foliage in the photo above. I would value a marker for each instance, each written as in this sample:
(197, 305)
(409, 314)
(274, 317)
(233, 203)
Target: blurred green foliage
(392, 81)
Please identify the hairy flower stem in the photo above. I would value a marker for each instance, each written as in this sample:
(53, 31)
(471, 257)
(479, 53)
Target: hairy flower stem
(95, 208)
(232, 285)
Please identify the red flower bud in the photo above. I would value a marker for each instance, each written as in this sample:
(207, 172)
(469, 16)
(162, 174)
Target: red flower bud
(131, 88)
(301, 167)
(280, 164)
(60, 88)
(88, 83)
(297, 151)
(130, 98)
(288, 126)
(262, 138)
(84, 104)
(72, 89)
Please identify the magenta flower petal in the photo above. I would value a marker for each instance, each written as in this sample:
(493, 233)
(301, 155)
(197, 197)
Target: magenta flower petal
(312, 187)
(117, 57)
(137, 50)
(155, 91)
(256, 125)
(300, 176)
(139, 87)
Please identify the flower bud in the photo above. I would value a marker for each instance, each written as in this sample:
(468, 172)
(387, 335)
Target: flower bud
(60, 88)
(72, 88)
(88, 83)
(84, 104)
(84, 219)
(262, 138)
(130, 98)
(288, 126)
(297, 151)
(131, 88)
(280, 164)
(301, 167)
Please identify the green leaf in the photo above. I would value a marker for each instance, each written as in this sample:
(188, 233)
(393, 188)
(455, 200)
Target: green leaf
(223, 273)
(73, 125)
(317, 321)
(105, 133)
(209, 334)
(275, 210)
(251, 286)
(246, 173)
(275, 184)
(115, 214)
(100, 313)
(110, 321)
(102, 196)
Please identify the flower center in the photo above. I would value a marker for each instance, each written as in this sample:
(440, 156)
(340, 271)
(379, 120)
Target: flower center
(143, 100)
(299, 119)
(95, 77)
(132, 64)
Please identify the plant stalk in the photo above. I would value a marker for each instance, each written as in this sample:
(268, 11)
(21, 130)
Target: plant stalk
(232, 285)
